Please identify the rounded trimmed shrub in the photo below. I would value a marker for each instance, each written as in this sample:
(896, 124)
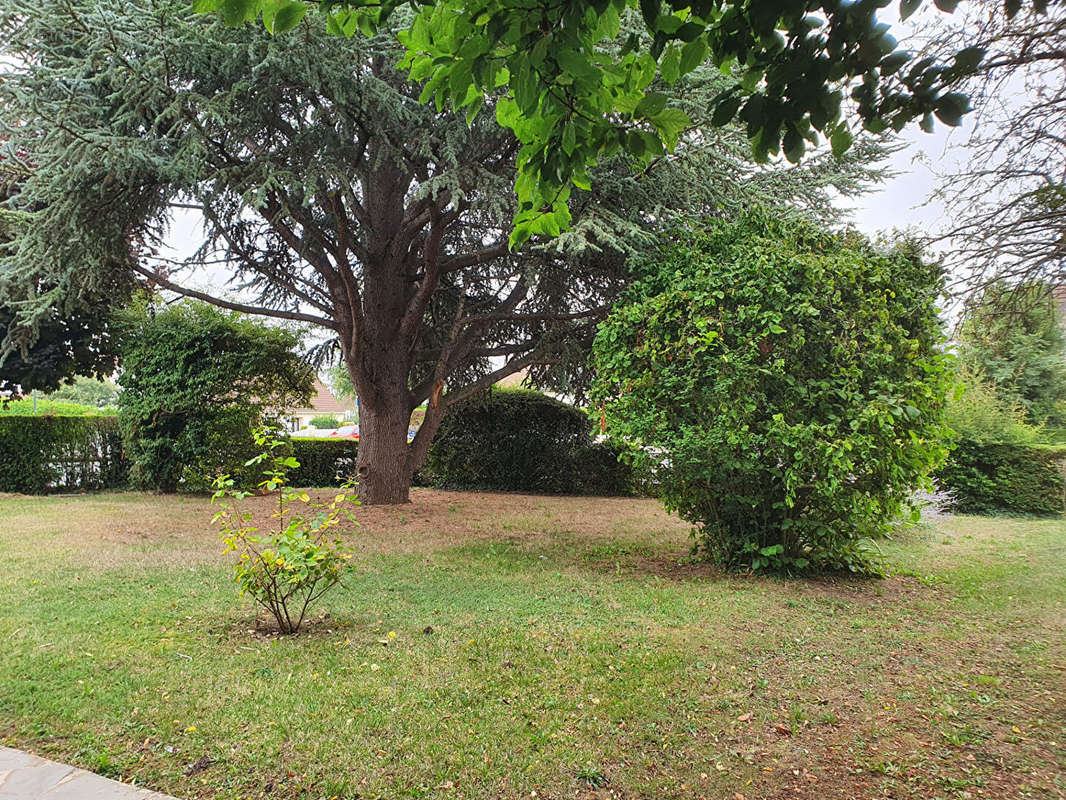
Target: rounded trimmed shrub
(783, 385)
(523, 441)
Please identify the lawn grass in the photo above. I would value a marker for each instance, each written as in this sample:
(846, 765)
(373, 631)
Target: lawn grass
(559, 646)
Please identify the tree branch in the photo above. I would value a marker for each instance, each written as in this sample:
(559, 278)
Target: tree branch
(244, 308)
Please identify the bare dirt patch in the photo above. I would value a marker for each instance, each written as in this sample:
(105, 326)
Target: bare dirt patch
(436, 520)
(164, 530)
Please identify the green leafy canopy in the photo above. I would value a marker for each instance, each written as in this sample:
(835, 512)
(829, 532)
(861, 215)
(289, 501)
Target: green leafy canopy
(571, 101)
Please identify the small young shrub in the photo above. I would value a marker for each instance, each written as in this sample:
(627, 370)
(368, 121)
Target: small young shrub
(782, 386)
(325, 422)
(288, 568)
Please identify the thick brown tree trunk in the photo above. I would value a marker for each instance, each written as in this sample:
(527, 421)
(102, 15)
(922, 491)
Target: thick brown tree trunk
(384, 464)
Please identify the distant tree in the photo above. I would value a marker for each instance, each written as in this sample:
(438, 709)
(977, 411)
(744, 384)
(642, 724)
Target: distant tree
(195, 383)
(978, 412)
(333, 197)
(782, 386)
(97, 392)
(66, 344)
(1006, 198)
(1012, 336)
(340, 382)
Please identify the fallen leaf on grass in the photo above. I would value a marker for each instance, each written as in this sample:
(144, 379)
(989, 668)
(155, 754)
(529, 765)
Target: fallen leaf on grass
(199, 765)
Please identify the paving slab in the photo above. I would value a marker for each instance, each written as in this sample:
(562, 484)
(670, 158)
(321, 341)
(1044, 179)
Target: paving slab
(28, 777)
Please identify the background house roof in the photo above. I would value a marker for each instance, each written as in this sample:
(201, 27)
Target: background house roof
(322, 402)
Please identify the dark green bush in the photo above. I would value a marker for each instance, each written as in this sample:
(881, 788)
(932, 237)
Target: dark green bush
(224, 443)
(523, 441)
(53, 453)
(998, 478)
(195, 382)
(325, 422)
(323, 462)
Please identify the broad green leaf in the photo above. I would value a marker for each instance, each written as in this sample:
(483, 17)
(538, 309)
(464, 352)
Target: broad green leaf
(649, 9)
(726, 109)
(693, 54)
(569, 138)
(908, 7)
(670, 122)
(969, 58)
(576, 64)
(793, 145)
(891, 63)
(473, 109)
(288, 16)
(652, 104)
(840, 140)
(689, 31)
(950, 108)
(237, 12)
(526, 88)
(670, 65)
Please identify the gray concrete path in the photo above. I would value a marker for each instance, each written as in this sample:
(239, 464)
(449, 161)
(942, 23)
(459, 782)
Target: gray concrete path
(26, 777)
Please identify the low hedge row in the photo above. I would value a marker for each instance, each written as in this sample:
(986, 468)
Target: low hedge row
(61, 453)
(509, 441)
(1005, 478)
(505, 440)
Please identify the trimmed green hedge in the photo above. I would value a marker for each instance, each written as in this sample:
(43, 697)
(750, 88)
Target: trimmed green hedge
(60, 453)
(523, 441)
(506, 440)
(323, 462)
(998, 478)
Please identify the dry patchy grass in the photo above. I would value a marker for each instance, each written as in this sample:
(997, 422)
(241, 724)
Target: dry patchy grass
(560, 646)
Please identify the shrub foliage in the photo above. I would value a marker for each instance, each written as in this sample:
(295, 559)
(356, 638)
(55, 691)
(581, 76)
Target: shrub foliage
(323, 462)
(1012, 336)
(979, 411)
(507, 440)
(785, 386)
(196, 381)
(523, 441)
